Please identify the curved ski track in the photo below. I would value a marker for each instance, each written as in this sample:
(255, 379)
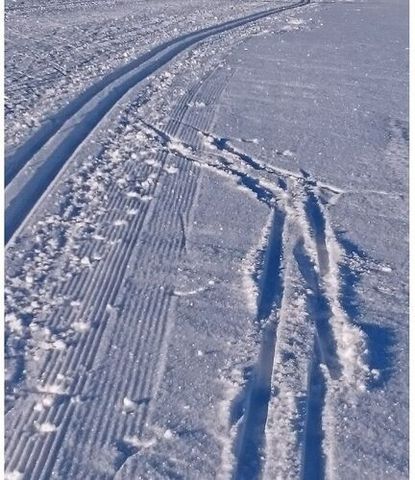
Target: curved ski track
(32, 167)
(120, 355)
(94, 359)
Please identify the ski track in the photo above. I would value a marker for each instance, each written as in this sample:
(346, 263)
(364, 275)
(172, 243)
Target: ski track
(89, 359)
(90, 370)
(46, 152)
(316, 264)
(251, 436)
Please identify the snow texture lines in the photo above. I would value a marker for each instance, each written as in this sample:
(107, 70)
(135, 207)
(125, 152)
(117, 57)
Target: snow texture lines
(105, 340)
(50, 148)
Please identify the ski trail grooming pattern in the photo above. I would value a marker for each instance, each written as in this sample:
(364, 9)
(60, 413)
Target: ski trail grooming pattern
(152, 240)
(338, 350)
(68, 224)
(207, 92)
(135, 208)
(46, 153)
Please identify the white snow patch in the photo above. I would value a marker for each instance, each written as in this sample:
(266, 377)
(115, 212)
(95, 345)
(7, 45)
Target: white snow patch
(133, 194)
(80, 326)
(52, 389)
(13, 475)
(385, 268)
(176, 146)
(295, 21)
(58, 345)
(128, 405)
(85, 261)
(45, 427)
(180, 293)
(136, 442)
(120, 223)
(288, 153)
(168, 434)
(14, 323)
(171, 169)
(132, 211)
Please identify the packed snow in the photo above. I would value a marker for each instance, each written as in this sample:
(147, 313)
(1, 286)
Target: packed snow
(206, 217)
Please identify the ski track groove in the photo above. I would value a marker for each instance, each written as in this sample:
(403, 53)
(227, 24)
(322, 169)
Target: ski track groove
(82, 356)
(313, 222)
(313, 461)
(103, 96)
(172, 207)
(103, 424)
(250, 440)
(91, 349)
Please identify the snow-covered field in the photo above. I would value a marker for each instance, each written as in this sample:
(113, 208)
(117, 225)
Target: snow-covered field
(206, 214)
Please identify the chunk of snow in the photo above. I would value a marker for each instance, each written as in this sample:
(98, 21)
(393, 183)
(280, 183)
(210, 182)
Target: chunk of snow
(13, 475)
(168, 434)
(120, 223)
(288, 153)
(128, 405)
(171, 169)
(45, 427)
(136, 442)
(14, 323)
(59, 345)
(85, 261)
(80, 326)
(132, 211)
(133, 194)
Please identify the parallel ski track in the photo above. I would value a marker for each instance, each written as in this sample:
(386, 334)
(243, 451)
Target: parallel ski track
(250, 447)
(140, 334)
(314, 265)
(33, 166)
(250, 444)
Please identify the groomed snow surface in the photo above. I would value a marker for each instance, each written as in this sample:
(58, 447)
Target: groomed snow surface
(206, 224)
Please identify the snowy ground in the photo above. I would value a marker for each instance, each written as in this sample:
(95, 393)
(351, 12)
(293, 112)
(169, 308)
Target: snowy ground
(207, 239)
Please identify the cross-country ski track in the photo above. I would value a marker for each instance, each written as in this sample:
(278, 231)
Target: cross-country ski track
(181, 302)
(47, 151)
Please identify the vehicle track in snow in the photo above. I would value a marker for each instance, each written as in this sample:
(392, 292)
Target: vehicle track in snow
(35, 164)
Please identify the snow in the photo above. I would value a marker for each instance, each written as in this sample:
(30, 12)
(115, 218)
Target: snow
(206, 239)
(45, 427)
